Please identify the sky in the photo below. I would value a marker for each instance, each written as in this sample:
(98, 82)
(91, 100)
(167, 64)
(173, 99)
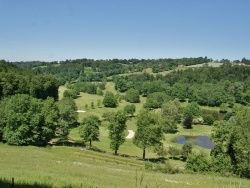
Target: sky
(55, 30)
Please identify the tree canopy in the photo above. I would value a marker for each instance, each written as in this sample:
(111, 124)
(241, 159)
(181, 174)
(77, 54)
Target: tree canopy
(149, 131)
(89, 129)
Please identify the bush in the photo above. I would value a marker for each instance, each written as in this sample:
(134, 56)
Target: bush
(166, 168)
(70, 93)
(221, 163)
(208, 119)
(198, 163)
(186, 150)
(173, 152)
(228, 115)
(130, 109)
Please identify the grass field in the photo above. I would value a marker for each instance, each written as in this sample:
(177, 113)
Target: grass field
(77, 167)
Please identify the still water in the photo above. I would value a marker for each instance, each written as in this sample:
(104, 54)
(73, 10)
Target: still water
(203, 141)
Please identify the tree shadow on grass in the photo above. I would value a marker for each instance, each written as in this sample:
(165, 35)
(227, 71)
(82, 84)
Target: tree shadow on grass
(157, 160)
(4, 183)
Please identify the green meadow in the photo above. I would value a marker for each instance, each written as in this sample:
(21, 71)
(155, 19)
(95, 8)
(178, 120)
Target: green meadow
(77, 167)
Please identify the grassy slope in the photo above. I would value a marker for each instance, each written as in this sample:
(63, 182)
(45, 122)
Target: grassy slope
(61, 166)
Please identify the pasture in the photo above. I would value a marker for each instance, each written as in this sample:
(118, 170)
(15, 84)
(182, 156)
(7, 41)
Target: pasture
(77, 167)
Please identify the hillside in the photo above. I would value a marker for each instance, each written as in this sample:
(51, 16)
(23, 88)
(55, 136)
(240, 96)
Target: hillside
(184, 102)
(76, 167)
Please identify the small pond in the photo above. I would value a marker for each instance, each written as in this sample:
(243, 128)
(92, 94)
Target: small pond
(203, 141)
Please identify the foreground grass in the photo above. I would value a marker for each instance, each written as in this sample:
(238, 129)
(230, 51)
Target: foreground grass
(77, 167)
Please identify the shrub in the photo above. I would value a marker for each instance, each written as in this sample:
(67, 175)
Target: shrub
(173, 151)
(166, 168)
(198, 163)
(208, 119)
(221, 163)
(186, 150)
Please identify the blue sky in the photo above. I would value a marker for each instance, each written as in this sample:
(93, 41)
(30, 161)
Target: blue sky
(50, 30)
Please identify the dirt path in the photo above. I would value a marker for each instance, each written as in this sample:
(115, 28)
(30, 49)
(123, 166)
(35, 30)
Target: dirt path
(131, 134)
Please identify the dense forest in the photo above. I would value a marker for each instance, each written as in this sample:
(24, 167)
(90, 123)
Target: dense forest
(31, 114)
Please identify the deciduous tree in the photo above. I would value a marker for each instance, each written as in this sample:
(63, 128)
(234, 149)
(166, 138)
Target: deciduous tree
(149, 131)
(116, 127)
(89, 129)
(109, 100)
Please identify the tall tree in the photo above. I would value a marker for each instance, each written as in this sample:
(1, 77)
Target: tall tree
(132, 95)
(109, 100)
(89, 129)
(232, 140)
(170, 116)
(192, 109)
(116, 127)
(67, 117)
(149, 131)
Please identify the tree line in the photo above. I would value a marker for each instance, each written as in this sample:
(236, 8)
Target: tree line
(72, 70)
(209, 86)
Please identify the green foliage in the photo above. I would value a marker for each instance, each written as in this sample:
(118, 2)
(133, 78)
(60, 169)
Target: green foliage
(89, 129)
(166, 168)
(70, 94)
(99, 92)
(186, 150)
(92, 105)
(232, 140)
(67, 111)
(98, 103)
(173, 151)
(37, 86)
(170, 116)
(180, 91)
(160, 150)
(187, 123)
(109, 100)
(132, 95)
(198, 163)
(192, 109)
(29, 121)
(116, 127)
(86, 87)
(130, 109)
(208, 119)
(86, 106)
(149, 131)
(107, 116)
(228, 115)
(155, 100)
(67, 117)
(240, 141)
(102, 85)
(221, 163)
(223, 108)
